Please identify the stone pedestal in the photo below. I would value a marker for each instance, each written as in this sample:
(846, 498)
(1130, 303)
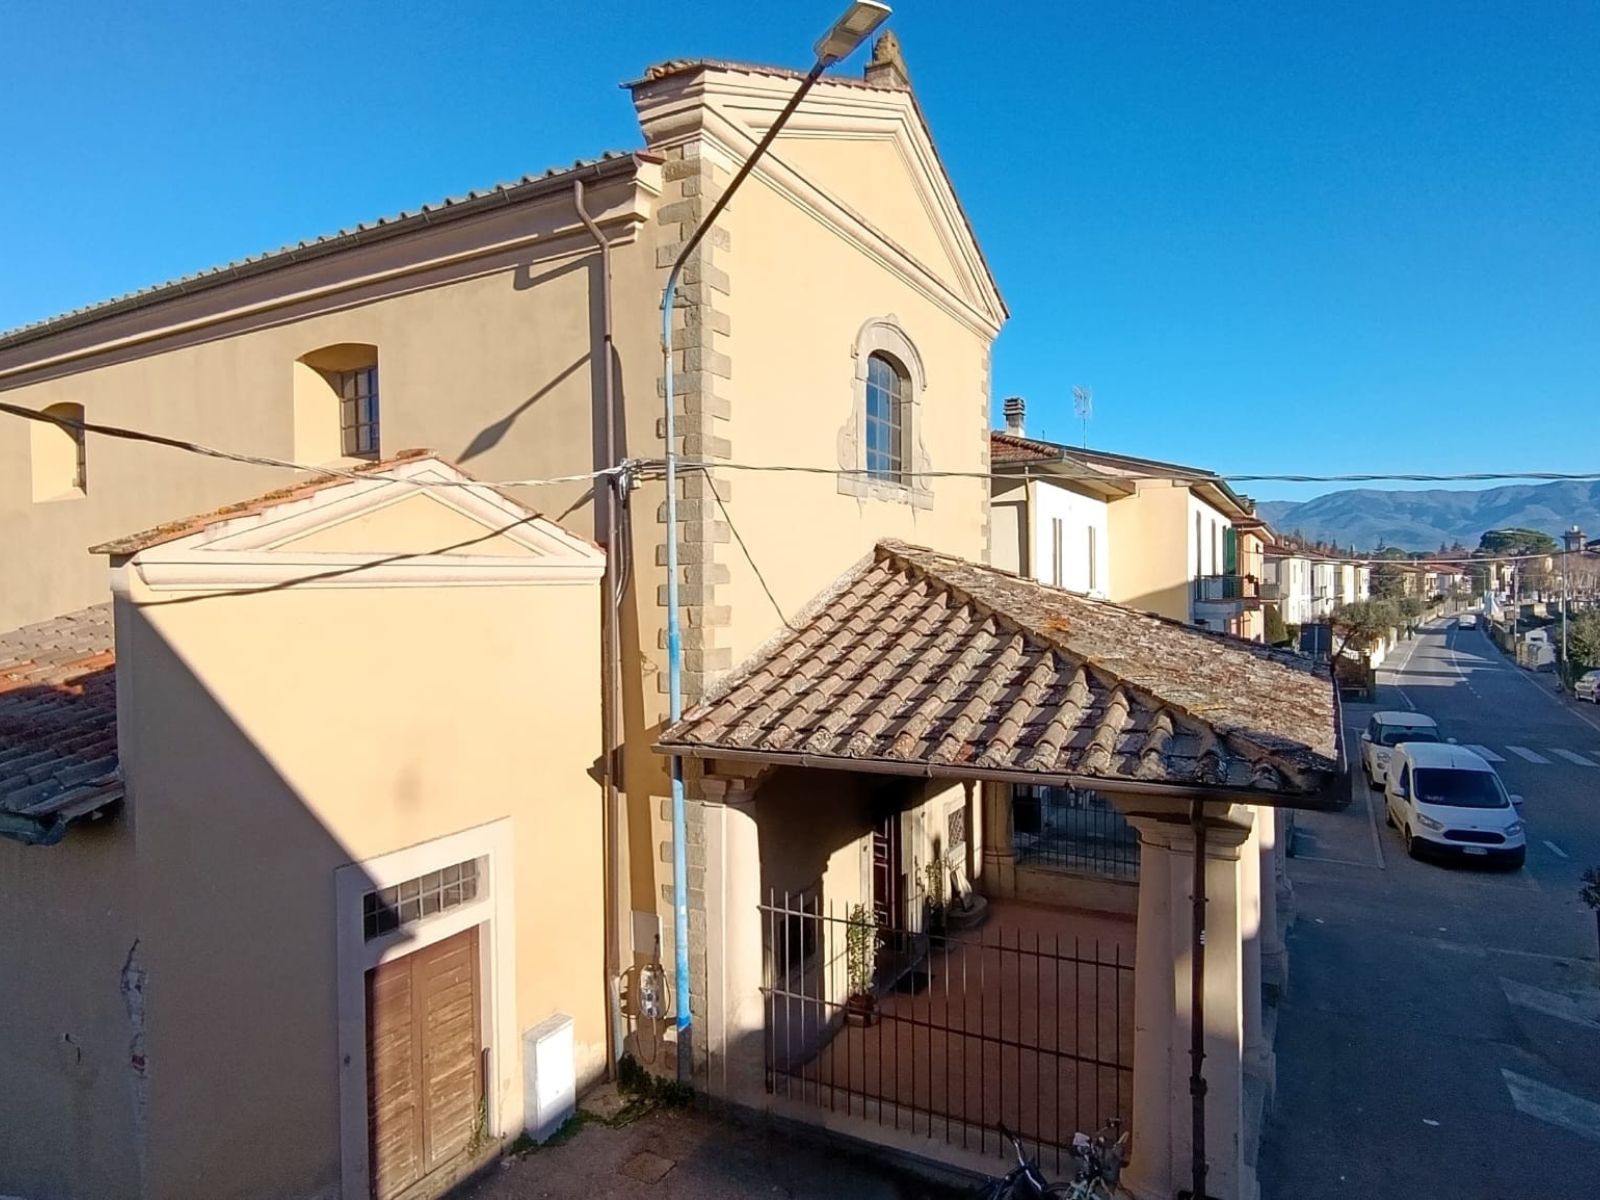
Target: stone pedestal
(1162, 1124)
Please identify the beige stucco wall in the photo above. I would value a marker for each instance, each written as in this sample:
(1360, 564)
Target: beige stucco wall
(68, 1078)
(800, 296)
(483, 331)
(277, 737)
(1152, 541)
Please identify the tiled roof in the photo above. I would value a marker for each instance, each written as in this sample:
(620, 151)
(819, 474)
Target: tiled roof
(1009, 447)
(173, 530)
(58, 717)
(368, 231)
(929, 661)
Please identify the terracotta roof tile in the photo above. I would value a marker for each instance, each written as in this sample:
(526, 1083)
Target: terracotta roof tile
(921, 658)
(424, 216)
(171, 531)
(58, 716)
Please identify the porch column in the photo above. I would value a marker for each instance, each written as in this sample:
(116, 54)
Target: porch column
(1162, 1107)
(735, 1011)
(1274, 955)
(1258, 1057)
(998, 868)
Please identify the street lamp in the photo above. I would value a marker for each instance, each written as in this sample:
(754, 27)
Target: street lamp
(847, 33)
(1571, 540)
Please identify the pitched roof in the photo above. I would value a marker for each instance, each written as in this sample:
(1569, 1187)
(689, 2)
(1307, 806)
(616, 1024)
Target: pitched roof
(58, 717)
(378, 229)
(939, 665)
(1009, 449)
(171, 531)
(683, 66)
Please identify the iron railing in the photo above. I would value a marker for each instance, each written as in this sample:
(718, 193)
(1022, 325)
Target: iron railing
(1072, 830)
(988, 1027)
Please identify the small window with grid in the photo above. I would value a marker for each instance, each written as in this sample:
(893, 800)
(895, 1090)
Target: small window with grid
(391, 908)
(956, 827)
(887, 389)
(358, 411)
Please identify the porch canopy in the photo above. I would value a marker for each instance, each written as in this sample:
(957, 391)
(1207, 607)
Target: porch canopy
(924, 664)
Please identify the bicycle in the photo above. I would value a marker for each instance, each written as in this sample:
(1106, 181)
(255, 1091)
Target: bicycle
(1100, 1159)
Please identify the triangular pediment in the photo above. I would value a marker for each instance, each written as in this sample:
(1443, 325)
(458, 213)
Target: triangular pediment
(859, 157)
(412, 521)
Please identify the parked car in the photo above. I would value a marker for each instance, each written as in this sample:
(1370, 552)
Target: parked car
(1384, 732)
(1447, 802)
(1588, 687)
(1467, 621)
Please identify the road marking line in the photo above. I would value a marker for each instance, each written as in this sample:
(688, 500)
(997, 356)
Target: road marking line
(1574, 758)
(1338, 862)
(1580, 1010)
(1557, 850)
(1485, 753)
(1561, 1109)
(1524, 752)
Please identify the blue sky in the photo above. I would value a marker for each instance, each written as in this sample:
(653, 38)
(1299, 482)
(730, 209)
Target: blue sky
(1314, 238)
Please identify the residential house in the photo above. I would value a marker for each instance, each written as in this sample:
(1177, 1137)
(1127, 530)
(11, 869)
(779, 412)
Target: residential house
(1162, 538)
(299, 866)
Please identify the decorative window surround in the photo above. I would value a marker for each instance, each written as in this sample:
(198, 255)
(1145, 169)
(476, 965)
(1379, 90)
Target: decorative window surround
(884, 334)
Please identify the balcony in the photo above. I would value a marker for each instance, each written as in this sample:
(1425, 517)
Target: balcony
(1243, 590)
(1271, 591)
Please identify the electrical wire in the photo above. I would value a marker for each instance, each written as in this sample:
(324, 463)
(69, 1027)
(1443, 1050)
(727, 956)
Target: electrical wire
(261, 460)
(734, 529)
(1176, 475)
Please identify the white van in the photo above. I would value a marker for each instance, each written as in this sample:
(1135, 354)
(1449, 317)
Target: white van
(1446, 801)
(1384, 732)
(1467, 621)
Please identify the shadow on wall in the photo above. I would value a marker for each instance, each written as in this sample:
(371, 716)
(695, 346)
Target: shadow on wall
(168, 995)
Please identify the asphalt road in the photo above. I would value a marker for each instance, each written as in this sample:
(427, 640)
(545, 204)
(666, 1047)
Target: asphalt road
(1440, 1034)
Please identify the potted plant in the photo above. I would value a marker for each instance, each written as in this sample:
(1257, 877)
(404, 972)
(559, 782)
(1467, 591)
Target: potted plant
(938, 874)
(1590, 894)
(861, 945)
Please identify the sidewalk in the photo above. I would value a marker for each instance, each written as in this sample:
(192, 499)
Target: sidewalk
(684, 1153)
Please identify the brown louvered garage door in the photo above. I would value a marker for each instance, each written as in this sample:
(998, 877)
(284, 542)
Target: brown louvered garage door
(424, 1084)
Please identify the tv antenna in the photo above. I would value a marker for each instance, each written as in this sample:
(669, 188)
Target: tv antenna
(1083, 409)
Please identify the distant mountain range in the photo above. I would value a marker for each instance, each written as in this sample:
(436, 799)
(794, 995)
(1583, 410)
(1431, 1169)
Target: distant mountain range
(1364, 517)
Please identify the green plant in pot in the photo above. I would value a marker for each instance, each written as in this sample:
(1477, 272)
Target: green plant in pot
(861, 945)
(938, 879)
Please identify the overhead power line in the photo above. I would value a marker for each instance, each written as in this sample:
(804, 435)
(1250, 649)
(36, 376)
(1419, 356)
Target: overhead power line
(1175, 475)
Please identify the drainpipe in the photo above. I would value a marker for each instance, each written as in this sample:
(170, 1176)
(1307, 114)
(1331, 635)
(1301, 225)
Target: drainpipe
(680, 823)
(611, 653)
(1197, 1005)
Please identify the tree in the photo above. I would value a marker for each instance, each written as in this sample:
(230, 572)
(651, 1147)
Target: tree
(1510, 542)
(1388, 581)
(1411, 609)
(1583, 639)
(1277, 633)
(1361, 623)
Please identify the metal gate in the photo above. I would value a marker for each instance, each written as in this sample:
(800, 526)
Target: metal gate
(972, 1030)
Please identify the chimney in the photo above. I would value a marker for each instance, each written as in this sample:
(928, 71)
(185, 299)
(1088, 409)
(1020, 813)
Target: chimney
(1013, 407)
(887, 67)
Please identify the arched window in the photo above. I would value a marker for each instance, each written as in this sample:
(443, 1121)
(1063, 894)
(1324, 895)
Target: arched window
(336, 404)
(887, 391)
(59, 461)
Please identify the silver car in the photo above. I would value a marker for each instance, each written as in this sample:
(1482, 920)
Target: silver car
(1588, 687)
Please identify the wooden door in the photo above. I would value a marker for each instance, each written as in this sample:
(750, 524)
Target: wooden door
(888, 883)
(424, 1066)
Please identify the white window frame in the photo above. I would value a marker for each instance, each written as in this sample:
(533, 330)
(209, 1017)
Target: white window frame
(493, 912)
(1057, 553)
(1093, 550)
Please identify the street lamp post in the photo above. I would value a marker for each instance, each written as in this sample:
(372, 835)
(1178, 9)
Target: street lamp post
(1571, 540)
(847, 33)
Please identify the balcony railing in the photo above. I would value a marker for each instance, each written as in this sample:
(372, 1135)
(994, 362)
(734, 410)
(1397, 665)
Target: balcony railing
(1271, 591)
(1220, 589)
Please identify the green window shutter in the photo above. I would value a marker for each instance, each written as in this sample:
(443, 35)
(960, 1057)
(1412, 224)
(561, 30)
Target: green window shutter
(1230, 551)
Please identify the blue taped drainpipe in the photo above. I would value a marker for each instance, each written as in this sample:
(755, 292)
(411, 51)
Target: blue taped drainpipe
(680, 828)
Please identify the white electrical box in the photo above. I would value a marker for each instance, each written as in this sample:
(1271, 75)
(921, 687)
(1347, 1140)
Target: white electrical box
(549, 1077)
